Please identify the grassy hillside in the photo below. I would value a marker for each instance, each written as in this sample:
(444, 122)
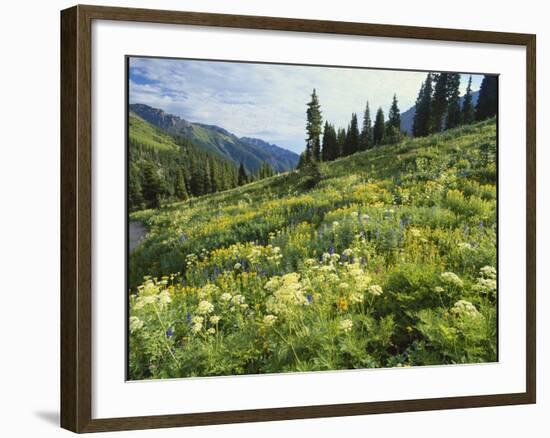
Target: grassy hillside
(385, 258)
(217, 141)
(146, 134)
(165, 168)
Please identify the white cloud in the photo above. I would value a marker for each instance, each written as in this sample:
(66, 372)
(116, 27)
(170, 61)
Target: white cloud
(265, 100)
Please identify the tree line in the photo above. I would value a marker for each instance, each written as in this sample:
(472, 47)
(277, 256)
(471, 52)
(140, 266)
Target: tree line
(438, 107)
(156, 176)
(438, 104)
(341, 142)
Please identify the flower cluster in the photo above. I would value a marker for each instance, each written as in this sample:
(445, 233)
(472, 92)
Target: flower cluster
(465, 309)
(451, 279)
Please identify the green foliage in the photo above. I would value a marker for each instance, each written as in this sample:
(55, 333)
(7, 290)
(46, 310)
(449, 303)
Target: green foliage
(453, 116)
(243, 176)
(366, 140)
(378, 132)
(330, 143)
(468, 110)
(440, 100)
(487, 103)
(313, 129)
(351, 144)
(163, 168)
(394, 116)
(423, 109)
(384, 258)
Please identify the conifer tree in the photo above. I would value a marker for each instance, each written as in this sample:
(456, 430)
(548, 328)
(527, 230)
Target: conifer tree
(366, 131)
(351, 144)
(379, 128)
(302, 160)
(454, 116)
(330, 144)
(313, 128)
(487, 102)
(341, 142)
(207, 178)
(423, 108)
(180, 189)
(468, 109)
(243, 176)
(135, 198)
(394, 116)
(152, 188)
(439, 102)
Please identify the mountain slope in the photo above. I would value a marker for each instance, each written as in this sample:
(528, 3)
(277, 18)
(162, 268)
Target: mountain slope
(385, 258)
(407, 117)
(219, 141)
(280, 155)
(168, 168)
(381, 176)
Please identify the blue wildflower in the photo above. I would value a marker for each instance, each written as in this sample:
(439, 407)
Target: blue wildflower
(169, 332)
(331, 250)
(309, 298)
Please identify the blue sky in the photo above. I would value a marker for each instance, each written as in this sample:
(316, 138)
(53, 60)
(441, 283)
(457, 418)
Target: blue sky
(268, 101)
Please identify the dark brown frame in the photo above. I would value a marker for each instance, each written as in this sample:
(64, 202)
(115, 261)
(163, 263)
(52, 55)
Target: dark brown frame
(76, 187)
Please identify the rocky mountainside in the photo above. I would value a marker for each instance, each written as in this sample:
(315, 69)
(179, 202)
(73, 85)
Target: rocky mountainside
(214, 139)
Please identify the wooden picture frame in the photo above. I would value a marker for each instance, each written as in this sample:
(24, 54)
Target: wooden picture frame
(76, 217)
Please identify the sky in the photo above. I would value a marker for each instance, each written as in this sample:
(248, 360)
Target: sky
(268, 101)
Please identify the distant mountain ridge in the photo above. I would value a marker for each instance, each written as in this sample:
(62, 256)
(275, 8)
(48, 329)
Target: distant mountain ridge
(407, 117)
(288, 158)
(215, 139)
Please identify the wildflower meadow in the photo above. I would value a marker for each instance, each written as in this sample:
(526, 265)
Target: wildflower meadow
(384, 258)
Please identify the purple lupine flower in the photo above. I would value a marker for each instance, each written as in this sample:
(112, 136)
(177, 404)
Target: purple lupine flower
(309, 298)
(188, 317)
(331, 250)
(169, 332)
(481, 224)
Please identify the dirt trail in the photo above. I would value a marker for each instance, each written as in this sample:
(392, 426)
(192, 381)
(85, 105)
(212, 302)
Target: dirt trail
(137, 232)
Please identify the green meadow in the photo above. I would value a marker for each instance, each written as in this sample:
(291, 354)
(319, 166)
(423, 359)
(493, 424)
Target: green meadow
(385, 258)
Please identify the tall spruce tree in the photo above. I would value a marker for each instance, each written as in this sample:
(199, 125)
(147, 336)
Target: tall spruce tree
(394, 116)
(365, 141)
(439, 102)
(454, 116)
(153, 188)
(340, 141)
(313, 128)
(330, 143)
(487, 102)
(423, 108)
(180, 189)
(302, 160)
(135, 198)
(378, 130)
(468, 109)
(351, 144)
(242, 176)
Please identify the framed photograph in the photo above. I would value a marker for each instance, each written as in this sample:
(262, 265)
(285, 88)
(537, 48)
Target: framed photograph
(270, 218)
